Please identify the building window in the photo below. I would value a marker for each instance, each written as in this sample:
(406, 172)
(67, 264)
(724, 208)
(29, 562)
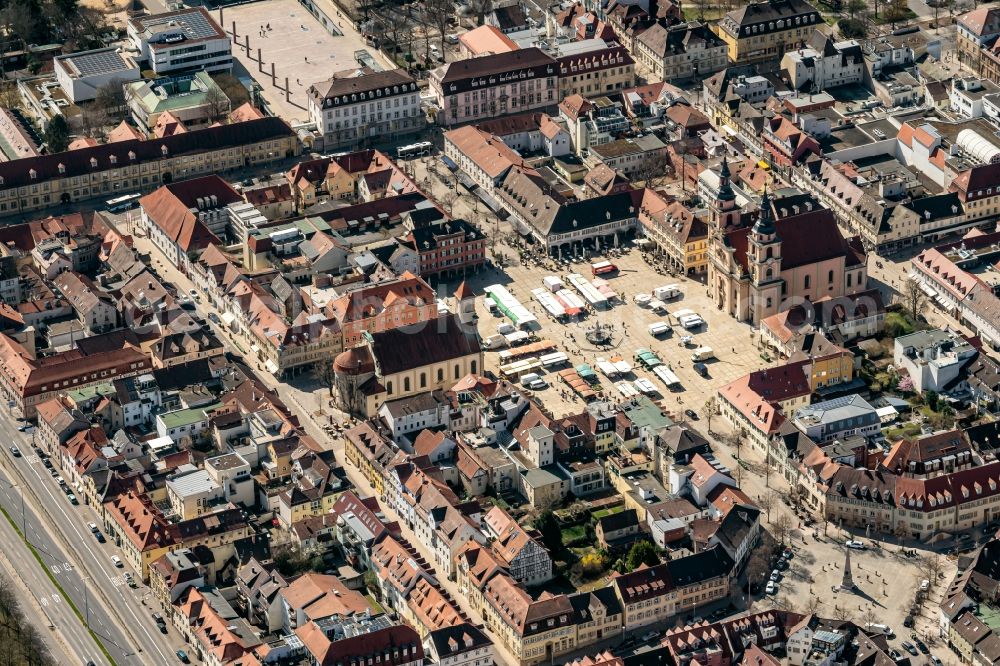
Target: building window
(806, 282)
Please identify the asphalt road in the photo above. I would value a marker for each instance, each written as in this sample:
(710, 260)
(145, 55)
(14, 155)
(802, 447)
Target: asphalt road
(119, 615)
(45, 607)
(59, 612)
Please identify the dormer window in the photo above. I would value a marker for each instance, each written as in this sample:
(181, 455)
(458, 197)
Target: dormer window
(131, 155)
(62, 168)
(93, 162)
(114, 159)
(164, 150)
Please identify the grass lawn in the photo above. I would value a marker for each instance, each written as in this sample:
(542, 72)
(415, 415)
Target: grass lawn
(710, 13)
(607, 512)
(571, 534)
(908, 15)
(906, 430)
(900, 320)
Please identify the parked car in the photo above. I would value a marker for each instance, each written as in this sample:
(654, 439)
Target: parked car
(16, 452)
(27, 427)
(921, 646)
(129, 579)
(925, 585)
(214, 318)
(856, 545)
(691, 414)
(908, 621)
(876, 628)
(772, 587)
(117, 561)
(182, 655)
(909, 647)
(72, 499)
(775, 575)
(895, 654)
(935, 660)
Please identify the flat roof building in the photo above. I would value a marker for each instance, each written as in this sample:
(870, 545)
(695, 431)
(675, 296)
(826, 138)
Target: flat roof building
(181, 41)
(80, 75)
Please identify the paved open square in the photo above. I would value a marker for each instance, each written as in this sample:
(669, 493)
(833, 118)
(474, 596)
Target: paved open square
(885, 579)
(732, 342)
(293, 44)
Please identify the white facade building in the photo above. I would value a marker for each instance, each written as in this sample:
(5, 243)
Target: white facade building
(80, 75)
(350, 108)
(181, 41)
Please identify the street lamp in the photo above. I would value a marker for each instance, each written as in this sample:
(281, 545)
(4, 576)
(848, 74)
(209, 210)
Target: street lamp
(86, 602)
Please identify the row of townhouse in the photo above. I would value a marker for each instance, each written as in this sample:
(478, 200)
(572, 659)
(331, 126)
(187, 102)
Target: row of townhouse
(543, 629)
(917, 491)
(494, 560)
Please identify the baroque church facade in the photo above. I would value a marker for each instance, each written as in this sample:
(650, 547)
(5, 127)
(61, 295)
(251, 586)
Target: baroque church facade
(792, 252)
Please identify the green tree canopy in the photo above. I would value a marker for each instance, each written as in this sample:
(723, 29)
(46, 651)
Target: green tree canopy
(642, 552)
(57, 135)
(548, 526)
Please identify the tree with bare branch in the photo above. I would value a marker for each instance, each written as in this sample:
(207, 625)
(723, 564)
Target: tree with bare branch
(781, 527)
(914, 299)
(216, 104)
(930, 567)
(812, 604)
(842, 613)
(868, 618)
(440, 14)
(767, 502)
(480, 8)
(711, 405)
(758, 567)
(112, 100)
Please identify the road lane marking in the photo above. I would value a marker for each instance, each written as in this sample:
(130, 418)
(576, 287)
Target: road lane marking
(72, 524)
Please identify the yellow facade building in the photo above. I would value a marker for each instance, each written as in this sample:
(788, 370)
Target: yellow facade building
(762, 31)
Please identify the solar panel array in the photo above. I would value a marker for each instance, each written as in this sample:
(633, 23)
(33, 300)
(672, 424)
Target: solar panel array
(194, 25)
(101, 62)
